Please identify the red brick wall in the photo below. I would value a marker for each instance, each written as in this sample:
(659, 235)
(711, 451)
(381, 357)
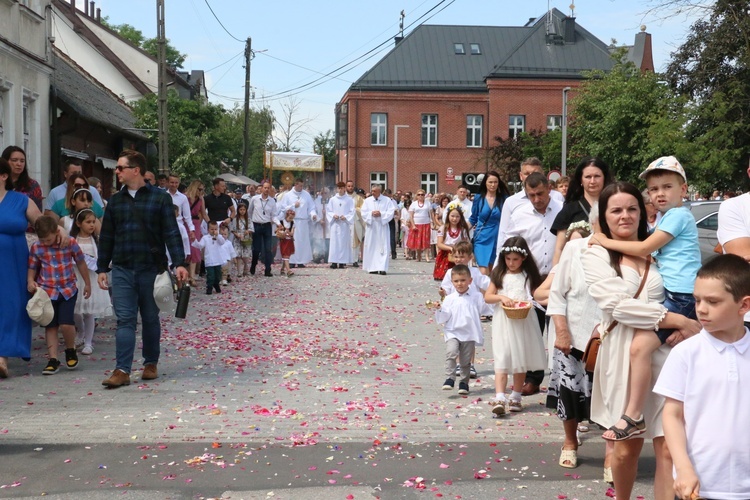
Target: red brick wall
(534, 99)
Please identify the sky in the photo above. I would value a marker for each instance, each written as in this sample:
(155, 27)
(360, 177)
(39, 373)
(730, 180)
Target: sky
(297, 42)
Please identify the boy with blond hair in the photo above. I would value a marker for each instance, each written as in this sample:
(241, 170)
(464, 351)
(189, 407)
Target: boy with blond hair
(674, 245)
(51, 268)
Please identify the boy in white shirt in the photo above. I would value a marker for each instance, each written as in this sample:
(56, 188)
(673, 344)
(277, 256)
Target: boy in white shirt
(213, 256)
(460, 316)
(229, 255)
(704, 381)
(183, 235)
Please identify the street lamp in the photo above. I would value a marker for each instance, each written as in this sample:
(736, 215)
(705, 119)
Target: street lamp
(565, 130)
(395, 153)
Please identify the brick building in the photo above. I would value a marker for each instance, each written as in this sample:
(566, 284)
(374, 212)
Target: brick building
(434, 103)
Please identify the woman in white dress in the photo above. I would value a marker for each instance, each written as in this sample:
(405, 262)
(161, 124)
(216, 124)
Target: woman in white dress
(613, 280)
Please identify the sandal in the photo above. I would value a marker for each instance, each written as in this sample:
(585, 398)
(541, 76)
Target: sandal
(568, 458)
(633, 429)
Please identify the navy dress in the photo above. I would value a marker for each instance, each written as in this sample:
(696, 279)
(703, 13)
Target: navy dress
(486, 223)
(15, 325)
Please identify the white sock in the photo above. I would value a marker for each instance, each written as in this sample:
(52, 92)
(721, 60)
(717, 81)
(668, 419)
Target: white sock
(500, 396)
(515, 396)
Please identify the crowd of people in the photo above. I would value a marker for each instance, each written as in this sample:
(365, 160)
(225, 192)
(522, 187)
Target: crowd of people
(580, 258)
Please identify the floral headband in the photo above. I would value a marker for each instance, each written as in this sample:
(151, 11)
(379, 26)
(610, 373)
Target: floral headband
(581, 225)
(455, 205)
(517, 250)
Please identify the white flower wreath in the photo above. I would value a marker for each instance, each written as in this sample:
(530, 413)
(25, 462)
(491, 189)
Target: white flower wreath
(517, 250)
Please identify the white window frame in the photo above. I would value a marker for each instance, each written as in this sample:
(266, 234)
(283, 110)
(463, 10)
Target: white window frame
(30, 121)
(554, 122)
(379, 178)
(475, 49)
(516, 125)
(458, 49)
(429, 182)
(379, 128)
(474, 124)
(6, 110)
(429, 130)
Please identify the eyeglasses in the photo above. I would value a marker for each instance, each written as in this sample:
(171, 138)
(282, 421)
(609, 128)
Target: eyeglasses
(120, 168)
(79, 185)
(420, 194)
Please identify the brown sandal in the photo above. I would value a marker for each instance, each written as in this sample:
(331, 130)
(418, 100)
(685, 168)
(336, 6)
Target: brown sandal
(634, 428)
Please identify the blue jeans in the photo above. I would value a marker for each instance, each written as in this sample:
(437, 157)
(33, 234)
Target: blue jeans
(133, 291)
(680, 303)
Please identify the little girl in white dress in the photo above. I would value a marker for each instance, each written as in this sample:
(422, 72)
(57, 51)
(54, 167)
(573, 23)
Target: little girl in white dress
(517, 345)
(98, 304)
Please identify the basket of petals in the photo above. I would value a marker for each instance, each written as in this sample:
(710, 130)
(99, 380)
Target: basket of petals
(519, 310)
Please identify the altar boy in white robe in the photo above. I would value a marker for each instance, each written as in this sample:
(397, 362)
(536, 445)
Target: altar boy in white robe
(303, 205)
(340, 217)
(377, 212)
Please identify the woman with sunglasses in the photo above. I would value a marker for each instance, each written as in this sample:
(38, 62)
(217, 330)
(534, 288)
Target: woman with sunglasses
(63, 207)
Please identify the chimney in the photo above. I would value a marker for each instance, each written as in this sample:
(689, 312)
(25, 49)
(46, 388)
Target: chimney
(569, 29)
(398, 39)
(86, 7)
(73, 5)
(91, 8)
(98, 15)
(642, 51)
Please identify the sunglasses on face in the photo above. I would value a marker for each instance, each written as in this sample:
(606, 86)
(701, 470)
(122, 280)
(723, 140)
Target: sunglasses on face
(120, 168)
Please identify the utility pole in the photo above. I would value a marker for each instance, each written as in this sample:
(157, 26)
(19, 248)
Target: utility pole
(161, 56)
(246, 133)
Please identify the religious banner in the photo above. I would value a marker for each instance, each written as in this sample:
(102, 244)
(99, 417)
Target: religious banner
(294, 161)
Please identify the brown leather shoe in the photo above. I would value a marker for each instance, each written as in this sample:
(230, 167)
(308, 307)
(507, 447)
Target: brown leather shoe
(149, 372)
(117, 379)
(529, 389)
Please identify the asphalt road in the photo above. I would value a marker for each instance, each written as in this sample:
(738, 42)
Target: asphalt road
(325, 385)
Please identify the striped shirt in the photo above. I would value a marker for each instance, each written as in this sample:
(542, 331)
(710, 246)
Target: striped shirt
(55, 268)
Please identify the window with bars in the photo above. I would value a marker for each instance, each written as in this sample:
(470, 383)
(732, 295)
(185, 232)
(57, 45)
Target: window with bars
(474, 131)
(429, 130)
(378, 129)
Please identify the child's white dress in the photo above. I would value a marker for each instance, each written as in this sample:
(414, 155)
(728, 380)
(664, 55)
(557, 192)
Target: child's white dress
(98, 304)
(517, 345)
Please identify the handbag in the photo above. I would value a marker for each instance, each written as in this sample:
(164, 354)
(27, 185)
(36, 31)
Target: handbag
(591, 353)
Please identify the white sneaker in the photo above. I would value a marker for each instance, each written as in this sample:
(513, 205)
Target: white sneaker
(224, 282)
(87, 350)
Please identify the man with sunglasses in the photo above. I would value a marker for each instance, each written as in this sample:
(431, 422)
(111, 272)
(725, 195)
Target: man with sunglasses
(71, 166)
(139, 225)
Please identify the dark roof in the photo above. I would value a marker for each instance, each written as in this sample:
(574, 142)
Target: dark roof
(86, 97)
(425, 59)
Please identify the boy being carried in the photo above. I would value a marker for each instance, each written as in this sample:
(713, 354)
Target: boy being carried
(704, 381)
(460, 316)
(51, 268)
(674, 244)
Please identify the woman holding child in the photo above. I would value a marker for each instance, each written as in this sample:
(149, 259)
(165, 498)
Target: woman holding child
(614, 280)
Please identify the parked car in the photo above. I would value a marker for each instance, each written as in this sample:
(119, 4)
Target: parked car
(706, 215)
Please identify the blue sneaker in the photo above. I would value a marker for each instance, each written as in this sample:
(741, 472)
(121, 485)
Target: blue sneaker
(448, 384)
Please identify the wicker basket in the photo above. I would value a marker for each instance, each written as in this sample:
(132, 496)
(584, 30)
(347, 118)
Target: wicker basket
(517, 312)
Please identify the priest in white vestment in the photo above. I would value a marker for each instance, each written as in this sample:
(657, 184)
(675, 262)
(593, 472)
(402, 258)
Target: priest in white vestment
(340, 217)
(377, 212)
(303, 205)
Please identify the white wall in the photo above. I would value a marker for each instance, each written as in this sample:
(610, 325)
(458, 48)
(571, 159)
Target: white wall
(24, 83)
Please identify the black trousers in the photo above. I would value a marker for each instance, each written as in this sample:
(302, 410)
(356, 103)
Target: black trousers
(536, 377)
(262, 243)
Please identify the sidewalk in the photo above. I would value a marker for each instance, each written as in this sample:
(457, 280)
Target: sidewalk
(329, 363)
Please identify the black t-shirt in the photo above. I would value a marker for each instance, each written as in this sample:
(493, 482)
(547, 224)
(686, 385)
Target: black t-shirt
(570, 213)
(217, 207)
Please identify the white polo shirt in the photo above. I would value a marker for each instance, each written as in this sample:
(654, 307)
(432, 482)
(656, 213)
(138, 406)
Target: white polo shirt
(734, 222)
(534, 227)
(710, 377)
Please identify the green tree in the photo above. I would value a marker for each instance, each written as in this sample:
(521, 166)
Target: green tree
(712, 69)
(150, 45)
(628, 118)
(506, 156)
(325, 144)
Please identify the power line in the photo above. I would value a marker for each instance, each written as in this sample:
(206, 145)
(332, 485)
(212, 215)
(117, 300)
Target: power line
(221, 24)
(225, 62)
(314, 83)
(298, 66)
